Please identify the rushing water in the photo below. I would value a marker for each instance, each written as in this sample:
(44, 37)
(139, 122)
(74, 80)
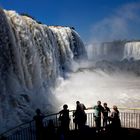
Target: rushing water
(132, 50)
(91, 85)
(116, 50)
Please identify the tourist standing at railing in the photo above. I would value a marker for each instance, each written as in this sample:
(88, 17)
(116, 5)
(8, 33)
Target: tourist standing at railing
(106, 112)
(64, 119)
(115, 119)
(80, 116)
(39, 124)
(98, 110)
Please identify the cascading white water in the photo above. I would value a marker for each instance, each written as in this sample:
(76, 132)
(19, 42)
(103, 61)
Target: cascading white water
(132, 50)
(32, 57)
(106, 51)
(91, 84)
(114, 50)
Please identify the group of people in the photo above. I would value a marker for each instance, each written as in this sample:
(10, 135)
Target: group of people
(80, 118)
(110, 119)
(79, 115)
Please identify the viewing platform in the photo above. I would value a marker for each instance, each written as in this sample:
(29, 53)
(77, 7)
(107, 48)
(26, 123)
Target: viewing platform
(130, 128)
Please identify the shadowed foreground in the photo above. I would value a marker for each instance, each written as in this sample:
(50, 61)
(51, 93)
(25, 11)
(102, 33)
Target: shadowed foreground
(90, 134)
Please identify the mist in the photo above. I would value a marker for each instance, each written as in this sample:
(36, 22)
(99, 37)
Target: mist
(88, 85)
(121, 24)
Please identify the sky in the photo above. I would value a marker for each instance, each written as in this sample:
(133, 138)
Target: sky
(94, 20)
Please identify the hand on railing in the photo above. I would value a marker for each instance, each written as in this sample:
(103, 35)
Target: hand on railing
(89, 108)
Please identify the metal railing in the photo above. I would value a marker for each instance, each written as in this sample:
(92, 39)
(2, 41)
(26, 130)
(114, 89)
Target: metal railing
(130, 120)
(27, 131)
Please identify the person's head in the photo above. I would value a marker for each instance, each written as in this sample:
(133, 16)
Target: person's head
(65, 106)
(77, 102)
(38, 111)
(115, 107)
(105, 104)
(98, 102)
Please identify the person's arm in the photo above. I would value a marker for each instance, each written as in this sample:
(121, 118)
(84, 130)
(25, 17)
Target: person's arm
(60, 112)
(112, 115)
(43, 115)
(84, 107)
(60, 115)
(102, 112)
(89, 108)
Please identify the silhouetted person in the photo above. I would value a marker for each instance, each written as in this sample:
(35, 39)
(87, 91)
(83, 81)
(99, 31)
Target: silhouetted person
(39, 124)
(80, 115)
(65, 120)
(106, 111)
(75, 119)
(97, 115)
(116, 124)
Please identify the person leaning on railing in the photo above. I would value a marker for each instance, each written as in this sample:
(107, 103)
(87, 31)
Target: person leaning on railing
(97, 115)
(79, 115)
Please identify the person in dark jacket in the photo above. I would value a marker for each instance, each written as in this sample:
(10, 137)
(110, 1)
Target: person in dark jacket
(115, 118)
(39, 124)
(64, 119)
(80, 115)
(106, 112)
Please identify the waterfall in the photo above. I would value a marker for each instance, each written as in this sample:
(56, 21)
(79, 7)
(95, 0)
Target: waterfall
(114, 51)
(116, 56)
(106, 51)
(132, 50)
(32, 57)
